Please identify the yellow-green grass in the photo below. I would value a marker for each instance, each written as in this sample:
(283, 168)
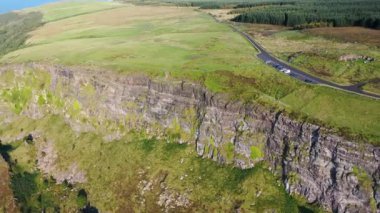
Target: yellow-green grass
(164, 39)
(349, 34)
(65, 9)
(186, 44)
(373, 86)
(337, 107)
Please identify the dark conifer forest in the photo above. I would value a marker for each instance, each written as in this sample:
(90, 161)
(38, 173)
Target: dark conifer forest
(304, 14)
(297, 13)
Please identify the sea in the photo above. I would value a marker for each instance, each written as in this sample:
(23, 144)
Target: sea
(10, 5)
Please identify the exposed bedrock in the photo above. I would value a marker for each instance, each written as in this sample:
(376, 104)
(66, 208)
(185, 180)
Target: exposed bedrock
(341, 175)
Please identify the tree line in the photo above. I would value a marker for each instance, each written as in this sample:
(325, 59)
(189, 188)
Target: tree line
(294, 13)
(212, 4)
(313, 13)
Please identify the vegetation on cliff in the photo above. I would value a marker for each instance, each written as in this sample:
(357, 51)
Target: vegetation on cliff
(136, 172)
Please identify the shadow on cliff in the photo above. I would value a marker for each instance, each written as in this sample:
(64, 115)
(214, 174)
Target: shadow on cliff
(4, 152)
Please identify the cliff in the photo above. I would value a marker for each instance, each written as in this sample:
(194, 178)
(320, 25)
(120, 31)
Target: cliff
(6, 196)
(339, 174)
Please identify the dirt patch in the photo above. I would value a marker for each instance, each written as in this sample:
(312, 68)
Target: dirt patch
(348, 34)
(233, 79)
(322, 71)
(221, 14)
(263, 29)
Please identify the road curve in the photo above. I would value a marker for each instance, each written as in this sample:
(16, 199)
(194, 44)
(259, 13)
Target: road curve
(303, 76)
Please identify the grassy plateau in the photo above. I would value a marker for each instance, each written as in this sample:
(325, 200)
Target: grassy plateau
(185, 43)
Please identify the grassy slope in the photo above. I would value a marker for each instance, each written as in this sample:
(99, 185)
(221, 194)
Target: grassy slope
(62, 10)
(186, 44)
(176, 39)
(14, 29)
(337, 107)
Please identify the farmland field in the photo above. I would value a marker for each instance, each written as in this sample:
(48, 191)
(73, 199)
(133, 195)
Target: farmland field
(62, 10)
(177, 39)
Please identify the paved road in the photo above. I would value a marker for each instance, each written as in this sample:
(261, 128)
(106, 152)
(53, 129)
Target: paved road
(298, 74)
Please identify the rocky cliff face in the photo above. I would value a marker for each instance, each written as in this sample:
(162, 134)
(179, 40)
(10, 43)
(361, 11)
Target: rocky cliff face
(6, 195)
(341, 175)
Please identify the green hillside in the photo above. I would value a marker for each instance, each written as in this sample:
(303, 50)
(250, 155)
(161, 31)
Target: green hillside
(187, 44)
(64, 158)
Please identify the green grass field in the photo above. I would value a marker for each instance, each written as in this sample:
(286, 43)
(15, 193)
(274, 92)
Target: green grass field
(184, 43)
(178, 40)
(62, 10)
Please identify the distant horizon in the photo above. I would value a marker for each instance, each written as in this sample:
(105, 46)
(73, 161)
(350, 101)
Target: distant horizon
(8, 6)
(15, 5)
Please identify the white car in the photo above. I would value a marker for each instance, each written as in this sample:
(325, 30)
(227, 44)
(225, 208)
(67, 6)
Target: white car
(287, 71)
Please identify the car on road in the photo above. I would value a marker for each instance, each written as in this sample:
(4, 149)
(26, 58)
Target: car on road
(279, 67)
